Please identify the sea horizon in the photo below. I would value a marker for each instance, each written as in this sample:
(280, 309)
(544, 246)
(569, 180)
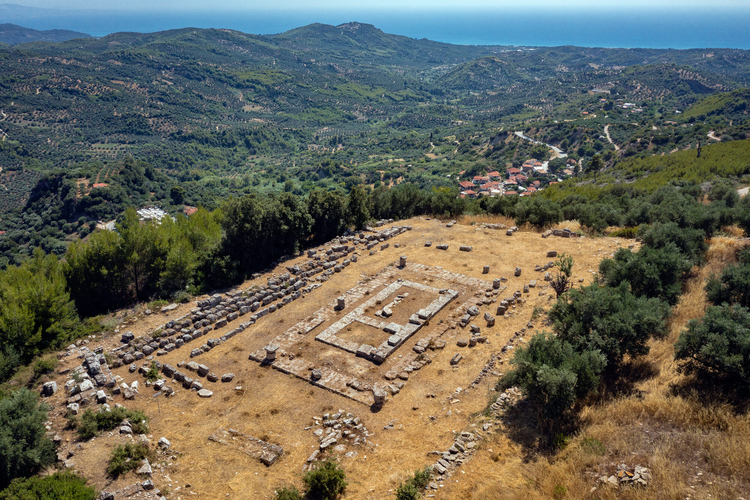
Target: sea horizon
(606, 28)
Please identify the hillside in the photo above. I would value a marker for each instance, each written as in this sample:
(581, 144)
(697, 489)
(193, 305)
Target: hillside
(430, 399)
(13, 34)
(221, 113)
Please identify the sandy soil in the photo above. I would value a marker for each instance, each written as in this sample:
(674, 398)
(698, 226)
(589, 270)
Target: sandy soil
(278, 408)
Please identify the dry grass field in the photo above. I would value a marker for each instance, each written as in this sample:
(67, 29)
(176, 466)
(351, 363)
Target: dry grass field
(694, 449)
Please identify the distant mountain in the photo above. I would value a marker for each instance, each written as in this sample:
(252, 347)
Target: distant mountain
(364, 44)
(12, 34)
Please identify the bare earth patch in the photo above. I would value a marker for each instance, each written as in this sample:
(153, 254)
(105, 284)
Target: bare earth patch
(435, 402)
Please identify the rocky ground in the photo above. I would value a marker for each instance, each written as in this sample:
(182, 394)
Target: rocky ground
(225, 424)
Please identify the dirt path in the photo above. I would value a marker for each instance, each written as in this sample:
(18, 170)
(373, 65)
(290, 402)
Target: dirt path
(606, 132)
(556, 152)
(712, 135)
(743, 191)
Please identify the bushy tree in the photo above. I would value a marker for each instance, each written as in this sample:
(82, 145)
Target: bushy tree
(688, 241)
(731, 287)
(328, 212)
(649, 272)
(24, 445)
(357, 207)
(718, 345)
(36, 311)
(538, 211)
(553, 375)
(610, 320)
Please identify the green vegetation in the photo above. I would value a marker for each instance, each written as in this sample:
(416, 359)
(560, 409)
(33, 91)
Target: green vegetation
(63, 485)
(24, 446)
(325, 482)
(412, 488)
(717, 347)
(92, 423)
(288, 493)
(601, 328)
(36, 312)
(127, 457)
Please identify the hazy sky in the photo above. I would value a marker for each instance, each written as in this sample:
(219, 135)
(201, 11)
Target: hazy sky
(372, 4)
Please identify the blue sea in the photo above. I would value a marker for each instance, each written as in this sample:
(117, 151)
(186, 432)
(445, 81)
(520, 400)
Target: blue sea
(677, 28)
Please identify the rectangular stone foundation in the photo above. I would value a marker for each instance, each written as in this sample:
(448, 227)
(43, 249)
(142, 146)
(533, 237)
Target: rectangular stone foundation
(395, 335)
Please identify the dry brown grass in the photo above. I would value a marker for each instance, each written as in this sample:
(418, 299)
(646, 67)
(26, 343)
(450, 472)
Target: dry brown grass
(695, 448)
(278, 407)
(469, 220)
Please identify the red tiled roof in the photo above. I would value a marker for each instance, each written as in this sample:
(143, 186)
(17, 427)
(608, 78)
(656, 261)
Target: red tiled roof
(100, 185)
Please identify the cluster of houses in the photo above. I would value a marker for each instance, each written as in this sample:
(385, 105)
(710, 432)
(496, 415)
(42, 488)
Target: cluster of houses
(515, 181)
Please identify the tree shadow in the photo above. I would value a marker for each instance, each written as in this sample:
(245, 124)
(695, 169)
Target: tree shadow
(524, 428)
(711, 391)
(622, 381)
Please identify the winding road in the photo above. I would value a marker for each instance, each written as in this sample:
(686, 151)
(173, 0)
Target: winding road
(558, 152)
(606, 133)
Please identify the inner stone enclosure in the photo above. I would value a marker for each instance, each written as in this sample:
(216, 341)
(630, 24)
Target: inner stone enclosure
(388, 328)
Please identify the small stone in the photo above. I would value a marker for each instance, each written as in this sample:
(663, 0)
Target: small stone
(145, 468)
(49, 388)
(227, 377)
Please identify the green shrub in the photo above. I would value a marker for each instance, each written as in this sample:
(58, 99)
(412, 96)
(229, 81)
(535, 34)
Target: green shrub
(63, 485)
(127, 457)
(325, 482)
(538, 211)
(732, 287)
(717, 346)
(626, 232)
(690, 242)
(153, 372)
(290, 493)
(91, 423)
(24, 445)
(411, 489)
(553, 375)
(422, 477)
(609, 320)
(407, 491)
(650, 272)
(44, 367)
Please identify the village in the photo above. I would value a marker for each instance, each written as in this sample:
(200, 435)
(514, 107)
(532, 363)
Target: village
(529, 178)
